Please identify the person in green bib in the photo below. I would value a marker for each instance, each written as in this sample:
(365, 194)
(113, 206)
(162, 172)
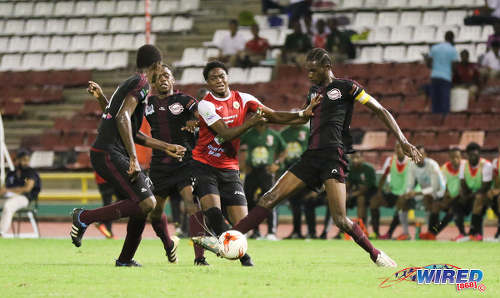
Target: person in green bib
(395, 172)
(494, 193)
(265, 152)
(450, 170)
(476, 176)
(296, 137)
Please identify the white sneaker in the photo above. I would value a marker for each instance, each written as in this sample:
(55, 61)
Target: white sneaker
(271, 237)
(384, 260)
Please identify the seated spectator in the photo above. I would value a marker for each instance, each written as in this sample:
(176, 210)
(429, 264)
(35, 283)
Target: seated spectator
(255, 49)
(231, 44)
(488, 14)
(490, 65)
(299, 9)
(466, 74)
(297, 44)
(441, 60)
(495, 36)
(338, 43)
(21, 186)
(320, 37)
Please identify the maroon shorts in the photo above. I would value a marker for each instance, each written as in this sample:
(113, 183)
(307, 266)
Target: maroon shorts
(317, 166)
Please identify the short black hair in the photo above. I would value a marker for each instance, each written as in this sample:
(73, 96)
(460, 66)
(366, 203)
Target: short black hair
(234, 21)
(319, 56)
(211, 65)
(147, 55)
(449, 36)
(473, 146)
(22, 153)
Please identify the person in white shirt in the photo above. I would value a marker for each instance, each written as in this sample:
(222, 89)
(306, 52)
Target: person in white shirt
(232, 44)
(475, 176)
(428, 175)
(490, 64)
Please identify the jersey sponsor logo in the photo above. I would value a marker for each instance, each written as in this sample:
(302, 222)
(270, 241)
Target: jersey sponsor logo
(335, 171)
(150, 109)
(236, 105)
(334, 94)
(302, 135)
(176, 108)
(107, 116)
(269, 140)
(240, 193)
(215, 151)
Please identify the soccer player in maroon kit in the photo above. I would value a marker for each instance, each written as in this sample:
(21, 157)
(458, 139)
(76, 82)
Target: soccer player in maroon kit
(168, 113)
(114, 158)
(222, 120)
(324, 162)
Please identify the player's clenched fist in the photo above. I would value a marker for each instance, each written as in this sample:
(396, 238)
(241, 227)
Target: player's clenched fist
(94, 89)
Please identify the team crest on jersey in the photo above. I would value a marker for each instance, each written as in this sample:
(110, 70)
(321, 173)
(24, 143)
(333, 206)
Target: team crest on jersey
(150, 109)
(176, 108)
(334, 94)
(269, 140)
(236, 105)
(302, 135)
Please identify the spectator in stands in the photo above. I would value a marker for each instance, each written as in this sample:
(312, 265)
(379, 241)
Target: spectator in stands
(494, 193)
(488, 14)
(466, 74)
(21, 187)
(255, 49)
(495, 36)
(395, 171)
(297, 44)
(320, 37)
(475, 176)
(441, 60)
(490, 65)
(339, 43)
(106, 191)
(231, 45)
(299, 9)
(271, 4)
(265, 152)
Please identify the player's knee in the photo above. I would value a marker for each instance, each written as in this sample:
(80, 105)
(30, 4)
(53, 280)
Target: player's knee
(341, 222)
(148, 205)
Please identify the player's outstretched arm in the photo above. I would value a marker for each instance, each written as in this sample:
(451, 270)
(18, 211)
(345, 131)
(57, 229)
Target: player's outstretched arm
(124, 126)
(176, 151)
(386, 117)
(230, 133)
(95, 90)
(288, 118)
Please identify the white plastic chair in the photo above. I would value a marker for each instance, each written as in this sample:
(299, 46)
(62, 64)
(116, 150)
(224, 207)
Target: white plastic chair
(63, 8)
(424, 34)
(365, 19)
(380, 35)
(469, 33)
(350, 4)
(119, 24)
(23, 9)
(435, 18)
(126, 7)
(6, 9)
(182, 24)
(76, 25)
(238, 75)
(418, 3)
(97, 25)
(402, 34)
(35, 26)
(441, 31)
(455, 17)
(272, 35)
(441, 3)
(19, 44)
(396, 3)
(4, 44)
(189, 5)
(166, 7)
(80, 43)
(123, 42)
(14, 27)
(74, 61)
(32, 62)
(53, 61)
(370, 54)
(388, 19)
(84, 8)
(140, 40)
(260, 75)
(11, 62)
(60, 43)
(55, 26)
(395, 53)
(161, 24)
(137, 24)
(192, 57)
(105, 8)
(117, 60)
(102, 42)
(42, 9)
(192, 76)
(414, 53)
(410, 18)
(39, 44)
(95, 61)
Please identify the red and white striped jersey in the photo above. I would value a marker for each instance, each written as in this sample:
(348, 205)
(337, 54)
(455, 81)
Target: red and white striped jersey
(212, 149)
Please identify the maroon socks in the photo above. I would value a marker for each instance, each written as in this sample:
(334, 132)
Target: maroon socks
(361, 239)
(196, 229)
(253, 219)
(111, 212)
(135, 227)
(161, 229)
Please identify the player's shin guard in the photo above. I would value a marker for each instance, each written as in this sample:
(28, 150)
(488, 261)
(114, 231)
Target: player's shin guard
(375, 214)
(135, 227)
(196, 229)
(357, 234)
(253, 219)
(216, 220)
(111, 212)
(433, 223)
(160, 226)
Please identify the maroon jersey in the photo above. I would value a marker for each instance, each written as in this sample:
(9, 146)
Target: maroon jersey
(212, 149)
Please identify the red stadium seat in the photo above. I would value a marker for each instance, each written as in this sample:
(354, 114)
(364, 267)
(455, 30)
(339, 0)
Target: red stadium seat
(372, 157)
(361, 120)
(82, 162)
(492, 140)
(382, 70)
(429, 122)
(408, 121)
(483, 122)
(62, 124)
(455, 121)
(425, 139)
(440, 157)
(91, 108)
(392, 103)
(415, 104)
(445, 139)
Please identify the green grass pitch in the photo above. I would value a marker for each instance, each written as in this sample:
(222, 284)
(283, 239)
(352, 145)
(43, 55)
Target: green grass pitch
(54, 268)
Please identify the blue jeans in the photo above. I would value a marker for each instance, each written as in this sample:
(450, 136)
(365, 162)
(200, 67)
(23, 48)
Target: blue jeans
(440, 96)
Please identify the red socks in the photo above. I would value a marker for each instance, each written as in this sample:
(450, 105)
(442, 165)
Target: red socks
(253, 219)
(196, 229)
(111, 212)
(135, 227)
(361, 239)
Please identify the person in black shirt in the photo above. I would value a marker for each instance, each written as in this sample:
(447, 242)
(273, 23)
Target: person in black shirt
(114, 158)
(21, 187)
(168, 113)
(324, 162)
